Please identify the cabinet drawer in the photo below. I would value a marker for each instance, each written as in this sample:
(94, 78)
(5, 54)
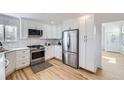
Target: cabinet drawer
(22, 57)
(23, 52)
(22, 64)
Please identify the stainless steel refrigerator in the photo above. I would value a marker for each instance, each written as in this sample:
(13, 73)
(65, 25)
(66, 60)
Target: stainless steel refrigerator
(70, 47)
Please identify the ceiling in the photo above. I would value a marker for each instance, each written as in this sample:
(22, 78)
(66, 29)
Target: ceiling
(54, 18)
(58, 18)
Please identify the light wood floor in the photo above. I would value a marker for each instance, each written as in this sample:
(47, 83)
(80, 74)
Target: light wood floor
(58, 71)
(113, 69)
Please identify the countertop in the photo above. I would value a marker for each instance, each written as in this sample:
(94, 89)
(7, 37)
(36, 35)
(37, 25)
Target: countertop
(15, 49)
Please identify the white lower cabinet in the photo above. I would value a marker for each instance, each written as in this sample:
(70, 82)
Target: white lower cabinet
(22, 58)
(11, 57)
(2, 74)
(17, 59)
(2, 66)
(49, 52)
(53, 51)
(58, 52)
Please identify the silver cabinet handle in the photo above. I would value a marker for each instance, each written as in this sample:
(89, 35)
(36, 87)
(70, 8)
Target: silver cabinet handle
(7, 63)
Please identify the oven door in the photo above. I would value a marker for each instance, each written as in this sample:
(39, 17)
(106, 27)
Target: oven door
(37, 56)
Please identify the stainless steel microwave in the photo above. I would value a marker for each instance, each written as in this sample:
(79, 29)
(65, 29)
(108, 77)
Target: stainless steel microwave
(35, 32)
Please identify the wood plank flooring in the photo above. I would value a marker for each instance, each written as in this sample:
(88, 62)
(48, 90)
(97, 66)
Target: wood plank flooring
(58, 71)
(113, 69)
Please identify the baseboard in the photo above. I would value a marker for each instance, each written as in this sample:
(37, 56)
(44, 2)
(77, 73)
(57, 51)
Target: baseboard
(53, 58)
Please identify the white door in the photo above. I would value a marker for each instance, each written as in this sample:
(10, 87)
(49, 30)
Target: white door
(113, 41)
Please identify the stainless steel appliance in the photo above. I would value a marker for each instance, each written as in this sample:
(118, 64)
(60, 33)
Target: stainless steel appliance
(35, 32)
(70, 47)
(37, 54)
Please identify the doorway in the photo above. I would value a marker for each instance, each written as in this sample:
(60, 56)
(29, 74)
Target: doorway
(113, 50)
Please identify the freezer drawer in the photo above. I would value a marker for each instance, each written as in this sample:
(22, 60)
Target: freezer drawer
(70, 59)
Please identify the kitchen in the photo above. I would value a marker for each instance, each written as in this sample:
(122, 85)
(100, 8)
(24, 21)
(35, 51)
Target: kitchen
(35, 45)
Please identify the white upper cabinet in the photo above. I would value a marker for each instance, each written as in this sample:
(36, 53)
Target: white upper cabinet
(44, 28)
(49, 31)
(59, 31)
(54, 31)
(71, 24)
(24, 29)
(10, 33)
(90, 27)
(1, 33)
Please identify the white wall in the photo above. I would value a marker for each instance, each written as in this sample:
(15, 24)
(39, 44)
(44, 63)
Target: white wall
(98, 45)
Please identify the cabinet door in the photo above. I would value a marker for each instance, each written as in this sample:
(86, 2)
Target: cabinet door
(59, 32)
(46, 53)
(11, 57)
(60, 52)
(53, 51)
(56, 52)
(82, 44)
(2, 74)
(54, 32)
(2, 67)
(48, 31)
(90, 55)
(10, 33)
(71, 24)
(74, 23)
(24, 29)
(44, 28)
(1, 33)
(89, 21)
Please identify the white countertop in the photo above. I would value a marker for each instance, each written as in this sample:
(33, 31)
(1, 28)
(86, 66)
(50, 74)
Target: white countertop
(16, 49)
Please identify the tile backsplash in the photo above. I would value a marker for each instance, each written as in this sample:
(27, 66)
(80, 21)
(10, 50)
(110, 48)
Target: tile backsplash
(30, 41)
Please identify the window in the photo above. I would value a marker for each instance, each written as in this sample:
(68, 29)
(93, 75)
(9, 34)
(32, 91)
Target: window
(10, 33)
(1, 33)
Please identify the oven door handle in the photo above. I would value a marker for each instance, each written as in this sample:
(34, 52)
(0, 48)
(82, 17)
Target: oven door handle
(34, 51)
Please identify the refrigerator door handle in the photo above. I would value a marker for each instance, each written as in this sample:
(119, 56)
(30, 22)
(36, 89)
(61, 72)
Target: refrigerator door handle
(68, 41)
(84, 38)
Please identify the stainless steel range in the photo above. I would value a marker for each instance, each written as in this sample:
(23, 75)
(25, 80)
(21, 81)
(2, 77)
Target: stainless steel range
(37, 54)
